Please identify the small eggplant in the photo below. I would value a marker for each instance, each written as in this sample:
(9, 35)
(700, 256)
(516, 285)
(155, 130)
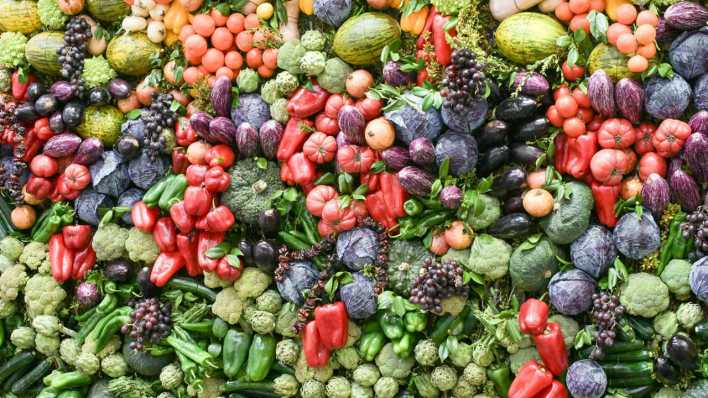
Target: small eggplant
(146, 286)
(513, 179)
(72, 113)
(246, 249)
(128, 146)
(265, 255)
(56, 123)
(665, 371)
(493, 134)
(269, 222)
(681, 350)
(527, 154)
(118, 270)
(26, 113)
(531, 130)
(492, 160)
(87, 294)
(511, 226)
(119, 88)
(34, 90)
(46, 104)
(514, 204)
(99, 95)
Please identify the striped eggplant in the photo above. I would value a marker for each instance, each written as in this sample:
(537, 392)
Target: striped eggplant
(351, 122)
(221, 96)
(530, 83)
(416, 181)
(396, 157)
(696, 156)
(686, 15)
(200, 123)
(629, 97)
(601, 93)
(247, 140)
(422, 151)
(684, 190)
(270, 134)
(699, 122)
(221, 130)
(655, 194)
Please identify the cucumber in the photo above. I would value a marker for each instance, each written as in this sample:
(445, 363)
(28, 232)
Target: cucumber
(627, 370)
(192, 286)
(21, 359)
(33, 376)
(624, 346)
(17, 374)
(625, 382)
(629, 356)
(642, 327)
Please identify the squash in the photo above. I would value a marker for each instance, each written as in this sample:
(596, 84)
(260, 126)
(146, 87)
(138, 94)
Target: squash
(572, 215)
(102, 122)
(108, 10)
(533, 263)
(360, 39)
(42, 52)
(130, 54)
(405, 258)
(528, 37)
(19, 16)
(607, 58)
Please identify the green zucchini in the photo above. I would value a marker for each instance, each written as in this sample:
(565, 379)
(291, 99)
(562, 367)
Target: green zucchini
(192, 286)
(17, 374)
(642, 327)
(629, 356)
(625, 382)
(624, 346)
(21, 359)
(31, 377)
(639, 392)
(627, 370)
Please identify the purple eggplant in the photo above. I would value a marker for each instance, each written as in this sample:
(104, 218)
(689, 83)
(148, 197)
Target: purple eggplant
(415, 181)
(62, 145)
(451, 197)
(699, 122)
(629, 97)
(62, 90)
(695, 152)
(686, 15)
(119, 88)
(90, 150)
(601, 93)
(396, 157)
(221, 96)
(422, 152)
(221, 130)
(685, 190)
(200, 123)
(352, 123)
(247, 140)
(56, 123)
(270, 134)
(530, 83)
(655, 194)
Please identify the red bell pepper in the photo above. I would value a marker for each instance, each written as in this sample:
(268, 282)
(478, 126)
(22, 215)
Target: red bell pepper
(306, 102)
(144, 217)
(294, 135)
(216, 179)
(573, 154)
(187, 246)
(201, 224)
(182, 220)
(551, 349)
(84, 260)
(376, 206)
(166, 265)
(165, 235)
(394, 194)
(195, 174)
(61, 258)
(19, 88)
(227, 271)
(41, 126)
(530, 380)
(184, 133)
(179, 160)
(316, 354)
(332, 324)
(371, 180)
(197, 201)
(555, 390)
(220, 219)
(606, 196)
(533, 315)
(77, 237)
(443, 50)
(302, 169)
(39, 187)
(207, 240)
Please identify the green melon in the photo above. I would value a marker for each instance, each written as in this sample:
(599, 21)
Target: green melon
(527, 37)
(607, 58)
(108, 10)
(42, 52)
(360, 39)
(102, 122)
(19, 16)
(131, 54)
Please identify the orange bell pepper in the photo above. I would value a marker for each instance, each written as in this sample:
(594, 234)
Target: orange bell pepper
(414, 22)
(176, 17)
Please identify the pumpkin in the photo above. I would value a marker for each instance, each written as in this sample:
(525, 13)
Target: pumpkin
(616, 133)
(650, 163)
(609, 59)
(355, 159)
(320, 147)
(318, 197)
(379, 134)
(337, 218)
(608, 166)
(670, 136)
(528, 37)
(131, 54)
(645, 133)
(42, 52)
(360, 39)
(71, 7)
(538, 202)
(108, 10)
(19, 16)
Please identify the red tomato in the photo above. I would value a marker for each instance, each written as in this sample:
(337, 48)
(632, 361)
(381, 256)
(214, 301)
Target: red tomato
(670, 136)
(355, 159)
(554, 116)
(645, 133)
(631, 160)
(320, 147)
(334, 103)
(326, 124)
(608, 166)
(77, 177)
(572, 73)
(561, 91)
(220, 155)
(586, 115)
(567, 107)
(43, 166)
(651, 162)
(573, 127)
(338, 218)
(581, 98)
(616, 133)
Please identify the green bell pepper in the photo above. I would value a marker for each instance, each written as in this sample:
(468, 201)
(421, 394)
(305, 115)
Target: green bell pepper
(412, 207)
(403, 347)
(235, 351)
(415, 321)
(219, 328)
(371, 341)
(62, 381)
(501, 378)
(261, 356)
(391, 325)
(174, 191)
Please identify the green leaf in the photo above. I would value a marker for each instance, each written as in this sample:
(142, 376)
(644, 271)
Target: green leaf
(612, 278)
(134, 114)
(485, 184)
(233, 261)
(598, 25)
(563, 41)
(331, 287)
(444, 168)
(378, 167)
(399, 306)
(622, 272)
(384, 54)
(583, 338)
(472, 276)
(427, 102)
(526, 245)
(290, 194)
(665, 70)
(443, 352)
(345, 201)
(361, 190)
(573, 54)
(218, 251)
(436, 188)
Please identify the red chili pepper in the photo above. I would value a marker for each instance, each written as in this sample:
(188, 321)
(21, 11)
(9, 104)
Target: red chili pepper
(332, 324)
(573, 154)
(427, 29)
(41, 126)
(220, 219)
(165, 235)
(606, 197)
(294, 135)
(302, 169)
(166, 265)
(184, 133)
(533, 315)
(179, 160)
(207, 240)
(197, 201)
(77, 237)
(77, 177)
(195, 174)
(144, 217)
(285, 175)
(187, 246)
(307, 101)
(555, 390)
(182, 220)
(443, 50)
(217, 180)
(19, 89)
(530, 380)
(371, 180)
(316, 354)
(551, 349)
(61, 258)
(227, 271)
(394, 194)
(32, 145)
(39, 187)
(376, 206)
(84, 260)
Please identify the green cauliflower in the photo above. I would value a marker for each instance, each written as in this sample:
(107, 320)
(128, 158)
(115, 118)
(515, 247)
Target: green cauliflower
(251, 190)
(12, 281)
(474, 374)
(426, 352)
(449, 7)
(386, 387)
(348, 357)
(69, 350)
(252, 283)
(285, 322)
(248, 80)
(366, 375)
(141, 247)
(35, 255)
(489, 257)
(7, 308)
(338, 387)
(23, 338)
(391, 365)
(485, 214)
(689, 314)
(312, 389)
(287, 352)
(279, 110)
(43, 295)
(334, 76)
(114, 366)
(313, 63)
(87, 363)
(228, 305)
(517, 359)
(12, 49)
(270, 92)
(50, 15)
(313, 40)
(109, 242)
(285, 385)
(11, 248)
(97, 71)
(644, 295)
(47, 345)
(269, 301)
(444, 377)
(675, 276)
(262, 322)
(212, 281)
(289, 55)
(171, 377)
(666, 324)
(286, 82)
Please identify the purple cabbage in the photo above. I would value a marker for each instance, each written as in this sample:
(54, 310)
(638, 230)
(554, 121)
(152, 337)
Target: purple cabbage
(467, 119)
(412, 122)
(594, 251)
(332, 12)
(394, 76)
(656, 194)
(698, 279)
(144, 171)
(136, 128)
(359, 297)
(357, 248)
(299, 277)
(252, 109)
(396, 157)
(586, 379)
(451, 197)
(684, 190)
(128, 199)
(636, 237)
(695, 152)
(700, 92)
(571, 292)
(110, 174)
(89, 204)
(422, 152)
(666, 98)
(699, 122)
(461, 149)
(688, 54)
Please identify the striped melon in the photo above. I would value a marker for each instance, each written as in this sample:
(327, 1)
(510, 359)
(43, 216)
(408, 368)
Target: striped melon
(130, 54)
(108, 10)
(360, 39)
(42, 52)
(19, 16)
(607, 58)
(528, 37)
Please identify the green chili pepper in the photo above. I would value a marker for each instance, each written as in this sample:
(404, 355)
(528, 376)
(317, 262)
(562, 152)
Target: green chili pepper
(214, 349)
(174, 191)
(46, 228)
(403, 347)
(413, 207)
(107, 326)
(235, 351)
(106, 305)
(2, 334)
(308, 224)
(293, 241)
(501, 377)
(219, 328)
(371, 341)
(203, 327)
(261, 356)
(152, 196)
(415, 321)
(448, 325)
(70, 394)
(391, 325)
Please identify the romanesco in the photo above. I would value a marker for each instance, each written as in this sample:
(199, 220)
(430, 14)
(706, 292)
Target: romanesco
(474, 374)
(312, 63)
(286, 82)
(141, 247)
(114, 366)
(304, 372)
(270, 92)
(12, 49)
(228, 305)
(463, 389)
(43, 295)
(248, 80)
(11, 248)
(279, 110)
(289, 55)
(97, 71)
(12, 281)
(359, 391)
(109, 242)
(34, 255)
(426, 352)
(51, 16)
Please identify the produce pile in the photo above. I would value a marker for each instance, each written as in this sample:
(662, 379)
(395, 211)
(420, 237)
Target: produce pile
(354, 198)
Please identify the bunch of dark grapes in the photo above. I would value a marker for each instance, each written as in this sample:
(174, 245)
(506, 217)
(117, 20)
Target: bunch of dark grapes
(13, 133)
(151, 320)
(437, 282)
(464, 80)
(158, 117)
(696, 228)
(606, 313)
(73, 52)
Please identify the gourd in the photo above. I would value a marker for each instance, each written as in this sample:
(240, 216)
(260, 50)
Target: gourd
(19, 16)
(130, 54)
(42, 52)
(108, 10)
(405, 258)
(360, 39)
(528, 37)
(572, 215)
(533, 264)
(607, 58)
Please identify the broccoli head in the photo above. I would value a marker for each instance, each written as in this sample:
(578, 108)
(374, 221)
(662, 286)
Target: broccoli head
(34, 255)
(141, 247)
(11, 248)
(289, 55)
(644, 295)
(43, 295)
(285, 385)
(489, 256)
(12, 281)
(251, 189)
(228, 305)
(334, 76)
(109, 242)
(114, 365)
(689, 314)
(248, 80)
(338, 387)
(252, 283)
(366, 374)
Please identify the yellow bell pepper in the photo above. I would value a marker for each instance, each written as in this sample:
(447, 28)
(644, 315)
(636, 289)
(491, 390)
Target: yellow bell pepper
(307, 7)
(415, 22)
(176, 17)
